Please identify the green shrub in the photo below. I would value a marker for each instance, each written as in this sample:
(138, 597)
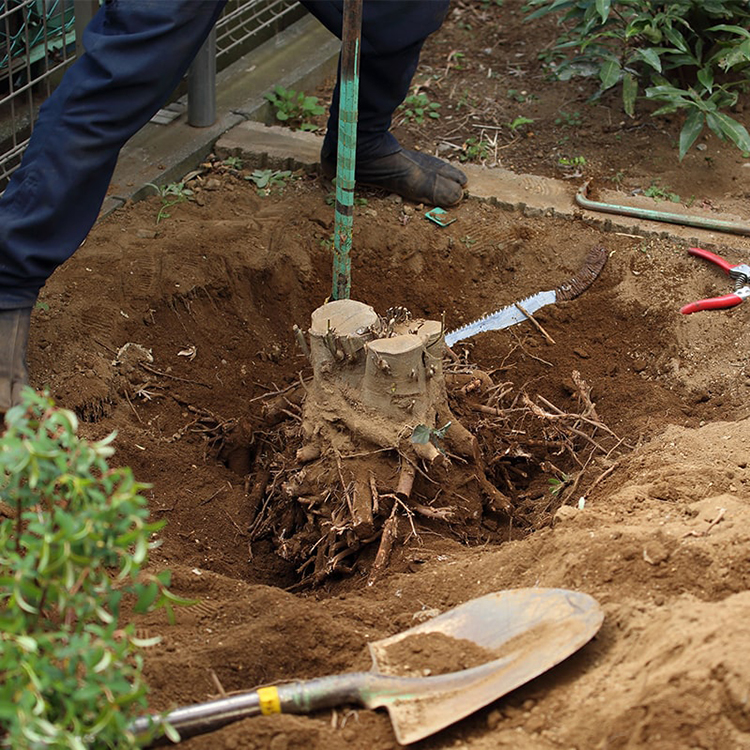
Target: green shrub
(70, 673)
(689, 55)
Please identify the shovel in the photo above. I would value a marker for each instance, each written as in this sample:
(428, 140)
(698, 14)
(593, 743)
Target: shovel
(503, 639)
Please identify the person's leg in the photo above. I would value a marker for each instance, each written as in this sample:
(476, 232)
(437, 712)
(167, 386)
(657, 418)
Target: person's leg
(393, 34)
(137, 51)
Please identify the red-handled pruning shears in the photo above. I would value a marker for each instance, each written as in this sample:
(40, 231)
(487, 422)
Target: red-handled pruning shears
(740, 274)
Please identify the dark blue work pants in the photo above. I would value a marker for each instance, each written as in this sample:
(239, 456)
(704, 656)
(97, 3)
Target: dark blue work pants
(137, 51)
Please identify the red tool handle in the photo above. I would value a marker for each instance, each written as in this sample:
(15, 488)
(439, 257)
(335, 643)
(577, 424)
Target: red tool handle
(718, 260)
(713, 303)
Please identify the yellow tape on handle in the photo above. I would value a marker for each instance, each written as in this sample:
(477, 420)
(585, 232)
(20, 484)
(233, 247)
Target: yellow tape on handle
(269, 700)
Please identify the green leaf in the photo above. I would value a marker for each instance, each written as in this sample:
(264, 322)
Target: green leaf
(728, 128)
(676, 38)
(651, 57)
(440, 431)
(731, 29)
(706, 78)
(609, 73)
(629, 93)
(692, 128)
(146, 642)
(171, 733)
(27, 643)
(421, 434)
(146, 597)
(602, 8)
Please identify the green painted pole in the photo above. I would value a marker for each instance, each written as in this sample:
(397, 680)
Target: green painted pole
(347, 149)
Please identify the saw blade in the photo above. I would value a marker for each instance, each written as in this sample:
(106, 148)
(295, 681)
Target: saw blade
(513, 314)
(504, 318)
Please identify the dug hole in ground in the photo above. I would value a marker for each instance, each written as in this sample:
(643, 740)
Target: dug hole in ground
(611, 450)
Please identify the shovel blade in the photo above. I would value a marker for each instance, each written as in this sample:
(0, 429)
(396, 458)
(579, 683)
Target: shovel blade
(524, 632)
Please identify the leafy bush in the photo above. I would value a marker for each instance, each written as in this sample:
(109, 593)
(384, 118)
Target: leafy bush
(689, 55)
(294, 108)
(76, 544)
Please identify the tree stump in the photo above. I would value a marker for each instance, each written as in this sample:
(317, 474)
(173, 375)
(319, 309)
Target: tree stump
(375, 422)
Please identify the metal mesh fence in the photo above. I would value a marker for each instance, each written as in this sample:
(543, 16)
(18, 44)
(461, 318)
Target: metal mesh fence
(38, 42)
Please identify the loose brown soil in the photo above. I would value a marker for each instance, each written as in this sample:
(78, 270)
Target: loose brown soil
(618, 453)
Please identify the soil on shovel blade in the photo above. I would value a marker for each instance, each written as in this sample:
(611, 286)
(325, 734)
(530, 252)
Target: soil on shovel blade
(609, 446)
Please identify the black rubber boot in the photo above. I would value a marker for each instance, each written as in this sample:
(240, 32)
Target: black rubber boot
(413, 175)
(14, 338)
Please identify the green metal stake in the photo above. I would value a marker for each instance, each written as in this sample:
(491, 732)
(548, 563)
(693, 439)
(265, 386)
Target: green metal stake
(347, 149)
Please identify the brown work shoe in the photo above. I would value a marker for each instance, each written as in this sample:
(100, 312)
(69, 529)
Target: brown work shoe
(14, 336)
(413, 175)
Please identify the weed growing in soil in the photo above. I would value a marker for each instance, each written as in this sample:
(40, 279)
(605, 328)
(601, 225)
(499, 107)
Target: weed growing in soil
(572, 165)
(520, 96)
(422, 434)
(569, 119)
(73, 546)
(294, 108)
(659, 193)
(232, 162)
(476, 149)
(171, 195)
(418, 106)
(268, 181)
(687, 56)
(519, 122)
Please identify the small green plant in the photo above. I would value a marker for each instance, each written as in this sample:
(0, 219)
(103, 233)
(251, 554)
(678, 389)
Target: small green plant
(521, 96)
(75, 550)
(422, 434)
(573, 162)
(268, 181)
(519, 122)
(171, 195)
(232, 162)
(418, 106)
(558, 484)
(569, 119)
(465, 100)
(659, 193)
(295, 108)
(476, 149)
(455, 59)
